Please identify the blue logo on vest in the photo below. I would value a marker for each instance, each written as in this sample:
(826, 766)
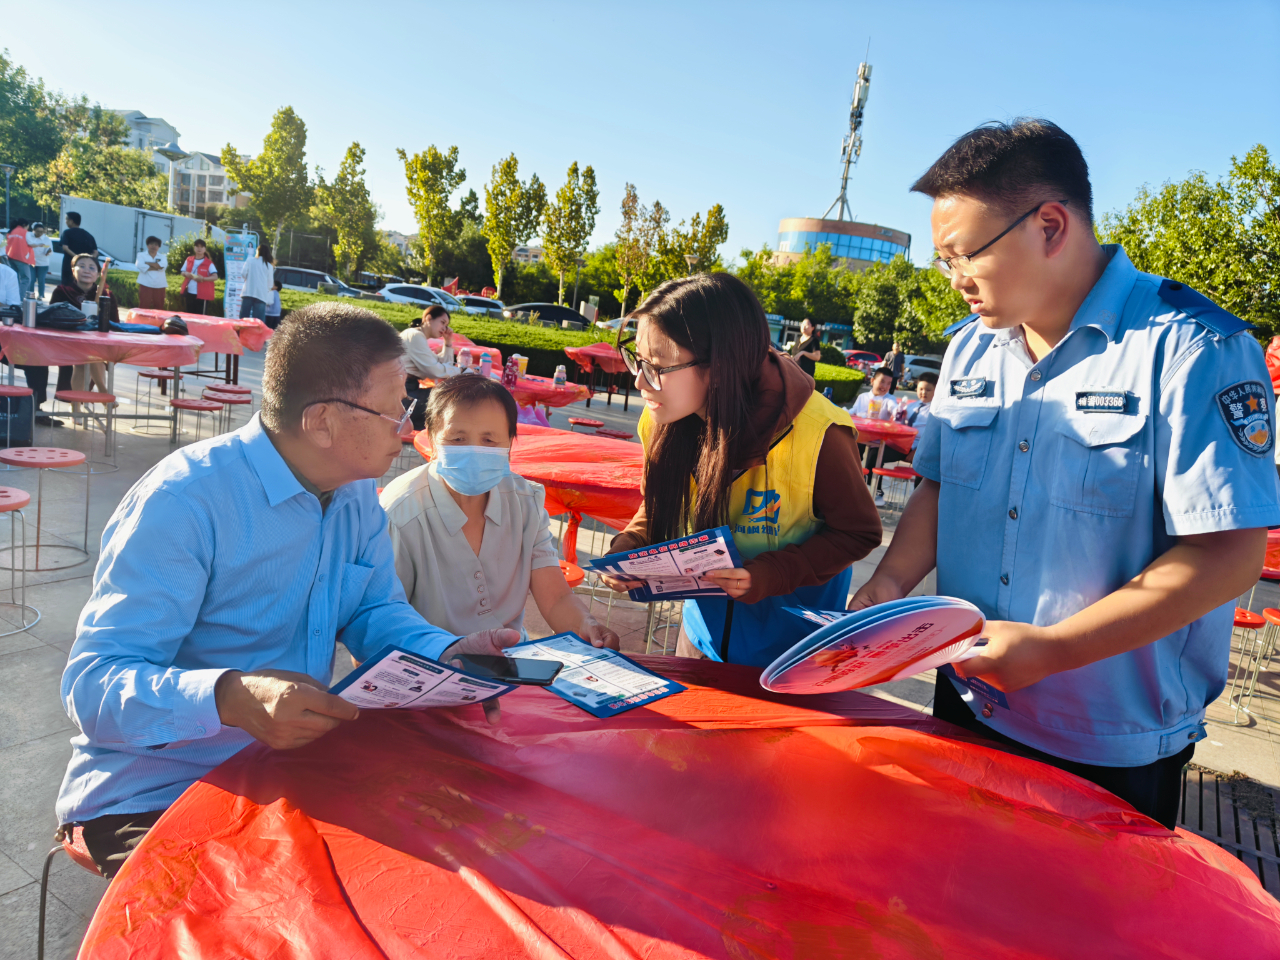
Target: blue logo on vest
(761, 506)
(1245, 408)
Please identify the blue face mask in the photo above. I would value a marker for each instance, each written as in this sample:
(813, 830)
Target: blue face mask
(472, 470)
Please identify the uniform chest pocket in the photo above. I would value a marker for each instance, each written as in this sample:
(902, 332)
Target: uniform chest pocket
(355, 579)
(967, 428)
(1100, 460)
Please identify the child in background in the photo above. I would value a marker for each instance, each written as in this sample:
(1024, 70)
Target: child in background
(273, 306)
(878, 403)
(471, 539)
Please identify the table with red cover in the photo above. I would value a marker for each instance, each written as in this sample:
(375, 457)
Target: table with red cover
(218, 335)
(723, 822)
(582, 474)
(602, 355)
(896, 435)
(44, 347)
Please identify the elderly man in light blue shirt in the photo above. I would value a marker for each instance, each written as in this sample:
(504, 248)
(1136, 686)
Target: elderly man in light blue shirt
(1098, 475)
(227, 575)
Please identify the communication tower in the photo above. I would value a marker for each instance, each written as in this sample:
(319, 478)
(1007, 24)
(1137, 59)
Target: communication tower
(851, 146)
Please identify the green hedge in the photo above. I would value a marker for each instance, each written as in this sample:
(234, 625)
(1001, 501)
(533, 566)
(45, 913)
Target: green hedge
(124, 284)
(843, 381)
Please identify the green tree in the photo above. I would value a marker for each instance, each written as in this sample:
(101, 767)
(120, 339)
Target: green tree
(567, 224)
(111, 174)
(1221, 238)
(431, 178)
(652, 229)
(512, 210)
(277, 177)
(698, 239)
(344, 205)
(631, 252)
(30, 132)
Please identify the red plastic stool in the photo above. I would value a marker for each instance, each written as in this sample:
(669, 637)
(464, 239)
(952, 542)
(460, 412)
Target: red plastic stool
(198, 407)
(584, 422)
(11, 394)
(1255, 655)
(70, 840)
(42, 459)
(90, 397)
(573, 574)
(231, 388)
(616, 434)
(1248, 620)
(228, 400)
(12, 500)
(903, 474)
(152, 377)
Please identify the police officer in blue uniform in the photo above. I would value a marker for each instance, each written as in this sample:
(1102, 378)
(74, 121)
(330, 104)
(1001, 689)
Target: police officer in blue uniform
(1098, 475)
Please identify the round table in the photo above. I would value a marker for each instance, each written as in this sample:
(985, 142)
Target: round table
(724, 821)
(530, 391)
(880, 433)
(605, 358)
(42, 347)
(582, 474)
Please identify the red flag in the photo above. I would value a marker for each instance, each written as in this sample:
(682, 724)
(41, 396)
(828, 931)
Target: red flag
(451, 286)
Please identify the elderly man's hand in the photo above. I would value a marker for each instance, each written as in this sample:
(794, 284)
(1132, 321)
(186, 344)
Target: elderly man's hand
(486, 642)
(281, 708)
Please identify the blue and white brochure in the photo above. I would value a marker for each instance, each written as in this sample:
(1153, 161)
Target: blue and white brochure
(673, 570)
(395, 677)
(600, 681)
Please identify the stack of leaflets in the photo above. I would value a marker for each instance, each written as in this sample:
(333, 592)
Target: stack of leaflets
(601, 681)
(673, 570)
(400, 678)
(890, 641)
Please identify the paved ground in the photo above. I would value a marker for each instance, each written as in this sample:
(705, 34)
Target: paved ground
(34, 731)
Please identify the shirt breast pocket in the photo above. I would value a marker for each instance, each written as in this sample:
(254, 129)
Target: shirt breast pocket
(355, 580)
(1099, 463)
(965, 441)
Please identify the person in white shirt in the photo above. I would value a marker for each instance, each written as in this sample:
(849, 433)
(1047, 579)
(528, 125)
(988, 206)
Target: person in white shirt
(259, 278)
(471, 539)
(41, 246)
(878, 403)
(421, 361)
(152, 285)
(10, 293)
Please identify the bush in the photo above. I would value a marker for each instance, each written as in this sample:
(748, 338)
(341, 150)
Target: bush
(124, 285)
(833, 355)
(844, 382)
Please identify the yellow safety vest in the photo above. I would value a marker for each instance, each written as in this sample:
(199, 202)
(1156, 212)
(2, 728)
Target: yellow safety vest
(771, 504)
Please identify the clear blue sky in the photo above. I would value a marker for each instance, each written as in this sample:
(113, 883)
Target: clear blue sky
(740, 103)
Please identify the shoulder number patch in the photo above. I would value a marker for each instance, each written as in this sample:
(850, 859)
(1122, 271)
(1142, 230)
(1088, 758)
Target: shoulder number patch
(969, 387)
(1246, 409)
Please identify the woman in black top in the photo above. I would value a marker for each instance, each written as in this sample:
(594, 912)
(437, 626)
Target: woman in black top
(808, 349)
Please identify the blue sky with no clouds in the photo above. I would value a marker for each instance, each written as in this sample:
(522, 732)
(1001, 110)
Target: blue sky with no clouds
(739, 103)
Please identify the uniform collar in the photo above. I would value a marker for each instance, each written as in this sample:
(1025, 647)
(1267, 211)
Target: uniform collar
(451, 514)
(1104, 306)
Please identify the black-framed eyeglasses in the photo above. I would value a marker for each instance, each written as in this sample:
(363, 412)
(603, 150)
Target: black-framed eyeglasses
(961, 263)
(651, 373)
(399, 422)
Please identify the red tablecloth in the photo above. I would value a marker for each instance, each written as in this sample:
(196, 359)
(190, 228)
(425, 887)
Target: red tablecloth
(604, 355)
(584, 475)
(722, 822)
(460, 341)
(897, 435)
(218, 335)
(42, 347)
(530, 391)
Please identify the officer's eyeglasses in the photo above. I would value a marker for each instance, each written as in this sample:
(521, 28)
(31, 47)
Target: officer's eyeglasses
(398, 421)
(651, 373)
(962, 263)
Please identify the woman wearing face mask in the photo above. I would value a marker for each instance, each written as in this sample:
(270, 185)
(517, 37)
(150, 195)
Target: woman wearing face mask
(421, 361)
(735, 434)
(472, 539)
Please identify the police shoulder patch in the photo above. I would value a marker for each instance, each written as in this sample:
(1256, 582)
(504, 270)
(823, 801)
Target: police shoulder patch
(1246, 408)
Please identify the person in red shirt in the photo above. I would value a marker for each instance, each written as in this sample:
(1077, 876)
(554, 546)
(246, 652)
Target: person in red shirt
(21, 257)
(199, 273)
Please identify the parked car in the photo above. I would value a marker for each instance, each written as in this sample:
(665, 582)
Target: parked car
(916, 365)
(485, 305)
(413, 294)
(863, 360)
(308, 281)
(545, 311)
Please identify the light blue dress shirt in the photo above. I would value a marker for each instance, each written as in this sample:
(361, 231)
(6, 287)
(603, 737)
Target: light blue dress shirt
(1061, 480)
(217, 560)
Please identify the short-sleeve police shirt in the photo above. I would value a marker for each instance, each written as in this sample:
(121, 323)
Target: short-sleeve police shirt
(1062, 479)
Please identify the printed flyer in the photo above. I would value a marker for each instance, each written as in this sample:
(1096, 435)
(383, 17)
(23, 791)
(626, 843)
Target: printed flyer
(672, 570)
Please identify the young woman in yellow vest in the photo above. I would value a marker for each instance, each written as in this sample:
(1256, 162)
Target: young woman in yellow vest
(734, 434)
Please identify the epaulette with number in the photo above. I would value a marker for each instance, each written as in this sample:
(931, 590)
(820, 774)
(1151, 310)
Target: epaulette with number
(1221, 323)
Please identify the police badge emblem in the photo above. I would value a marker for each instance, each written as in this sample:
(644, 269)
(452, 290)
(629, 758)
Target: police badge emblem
(1246, 409)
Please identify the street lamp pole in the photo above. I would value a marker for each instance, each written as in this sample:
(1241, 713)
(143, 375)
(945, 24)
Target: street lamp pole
(8, 169)
(576, 274)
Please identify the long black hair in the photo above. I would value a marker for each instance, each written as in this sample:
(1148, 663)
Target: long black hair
(718, 319)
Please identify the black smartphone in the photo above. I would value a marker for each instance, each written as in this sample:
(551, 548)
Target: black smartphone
(538, 673)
